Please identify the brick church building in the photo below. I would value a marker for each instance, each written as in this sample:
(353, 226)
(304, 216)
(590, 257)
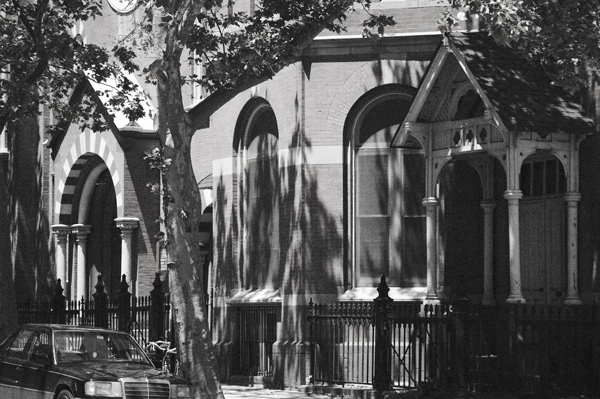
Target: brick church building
(446, 163)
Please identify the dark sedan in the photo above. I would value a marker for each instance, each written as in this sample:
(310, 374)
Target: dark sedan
(53, 361)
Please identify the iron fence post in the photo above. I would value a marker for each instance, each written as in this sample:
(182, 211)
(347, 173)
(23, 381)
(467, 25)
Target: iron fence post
(157, 310)
(124, 306)
(459, 313)
(59, 304)
(101, 302)
(311, 313)
(382, 379)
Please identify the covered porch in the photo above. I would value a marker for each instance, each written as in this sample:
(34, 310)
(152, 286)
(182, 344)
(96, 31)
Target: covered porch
(501, 146)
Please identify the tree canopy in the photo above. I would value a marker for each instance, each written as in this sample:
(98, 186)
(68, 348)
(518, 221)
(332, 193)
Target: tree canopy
(561, 35)
(41, 57)
(43, 62)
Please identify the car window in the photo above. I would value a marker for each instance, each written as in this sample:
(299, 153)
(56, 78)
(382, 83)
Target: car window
(16, 348)
(72, 346)
(39, 347)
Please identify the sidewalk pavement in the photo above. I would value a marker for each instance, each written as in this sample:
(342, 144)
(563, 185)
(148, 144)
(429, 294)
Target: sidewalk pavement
(258, 392)
(311, 392)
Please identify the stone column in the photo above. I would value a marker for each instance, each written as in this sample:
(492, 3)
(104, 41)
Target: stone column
(514, 246)
(431, 206)
(81, 231)
(488, 252)
(127, 226)
(572, 201)
(61, 231)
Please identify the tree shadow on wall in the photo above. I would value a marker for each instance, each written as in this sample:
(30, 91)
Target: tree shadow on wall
(225, 276)
(309, 255)
(311, 215)
(29, 228)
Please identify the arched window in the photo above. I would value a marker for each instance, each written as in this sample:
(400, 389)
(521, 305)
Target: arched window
(470, 105)
(542, 176)
(260, 188)
(387, 195)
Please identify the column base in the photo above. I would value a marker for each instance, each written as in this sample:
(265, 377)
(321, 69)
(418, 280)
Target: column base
(515, 299)
(432, 297)
(572, 300)
(291, 364)
(488, 301)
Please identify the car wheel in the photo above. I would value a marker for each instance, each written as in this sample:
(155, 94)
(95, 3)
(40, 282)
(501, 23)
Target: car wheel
(64, 394)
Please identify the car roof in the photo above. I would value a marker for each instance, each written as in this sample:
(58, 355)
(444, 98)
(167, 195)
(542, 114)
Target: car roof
(68, 327)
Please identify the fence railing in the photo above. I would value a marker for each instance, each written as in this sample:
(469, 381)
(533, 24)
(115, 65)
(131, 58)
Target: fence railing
(342, 337)
(534, 349)
(548, 350)
(146, 318)
(256, 334)
(420, 343)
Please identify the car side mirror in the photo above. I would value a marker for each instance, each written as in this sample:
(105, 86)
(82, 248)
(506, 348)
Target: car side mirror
(42, 358)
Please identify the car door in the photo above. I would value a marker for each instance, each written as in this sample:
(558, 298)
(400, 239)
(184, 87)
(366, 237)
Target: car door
(37, 380)
(11, 364)
(6, 377)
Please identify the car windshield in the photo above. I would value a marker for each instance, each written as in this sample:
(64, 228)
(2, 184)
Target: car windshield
(73, 346)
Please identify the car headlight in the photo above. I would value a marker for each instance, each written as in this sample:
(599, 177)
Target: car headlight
(180, 391)
(103, 388)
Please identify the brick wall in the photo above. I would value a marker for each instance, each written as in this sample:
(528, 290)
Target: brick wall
(144, 205)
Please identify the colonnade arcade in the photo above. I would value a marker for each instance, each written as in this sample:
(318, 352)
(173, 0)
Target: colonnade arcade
(81, 274)
(473, 144)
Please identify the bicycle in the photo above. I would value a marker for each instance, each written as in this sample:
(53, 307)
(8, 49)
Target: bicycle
(163, 356)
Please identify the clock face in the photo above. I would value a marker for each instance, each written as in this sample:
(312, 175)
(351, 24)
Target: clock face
(123, 6)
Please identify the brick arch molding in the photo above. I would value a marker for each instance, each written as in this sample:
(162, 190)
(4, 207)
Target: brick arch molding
(362, 81)
(87, 146)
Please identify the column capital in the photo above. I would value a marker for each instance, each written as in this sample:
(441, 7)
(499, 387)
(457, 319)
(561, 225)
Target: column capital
(572, 197)
(127, 223)
(513, 194)
(81, 230)
(430, 202)
(61, 230)
(487, 205)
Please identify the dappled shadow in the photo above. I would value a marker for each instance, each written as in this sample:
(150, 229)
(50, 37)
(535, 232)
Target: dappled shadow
(311, 248)
(147, 206)
(28, 227)
(261, 211)
(226, 274)
(521, 92)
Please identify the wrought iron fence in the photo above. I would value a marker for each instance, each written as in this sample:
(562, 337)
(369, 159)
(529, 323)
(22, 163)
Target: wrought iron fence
(343, 342)
(256, 334)
(147, 318)
(421, 338)
(533, 349)
(549, 350)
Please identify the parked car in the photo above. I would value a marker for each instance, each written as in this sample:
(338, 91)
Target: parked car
(53, 361)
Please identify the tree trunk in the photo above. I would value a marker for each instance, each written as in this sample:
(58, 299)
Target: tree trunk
(8, 305)
(182, 210)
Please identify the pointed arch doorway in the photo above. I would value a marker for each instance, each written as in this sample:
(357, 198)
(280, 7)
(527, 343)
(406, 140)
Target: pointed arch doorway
(104, 248)
(88, 213)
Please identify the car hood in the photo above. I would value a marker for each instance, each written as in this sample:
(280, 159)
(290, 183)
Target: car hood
(110, 370)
